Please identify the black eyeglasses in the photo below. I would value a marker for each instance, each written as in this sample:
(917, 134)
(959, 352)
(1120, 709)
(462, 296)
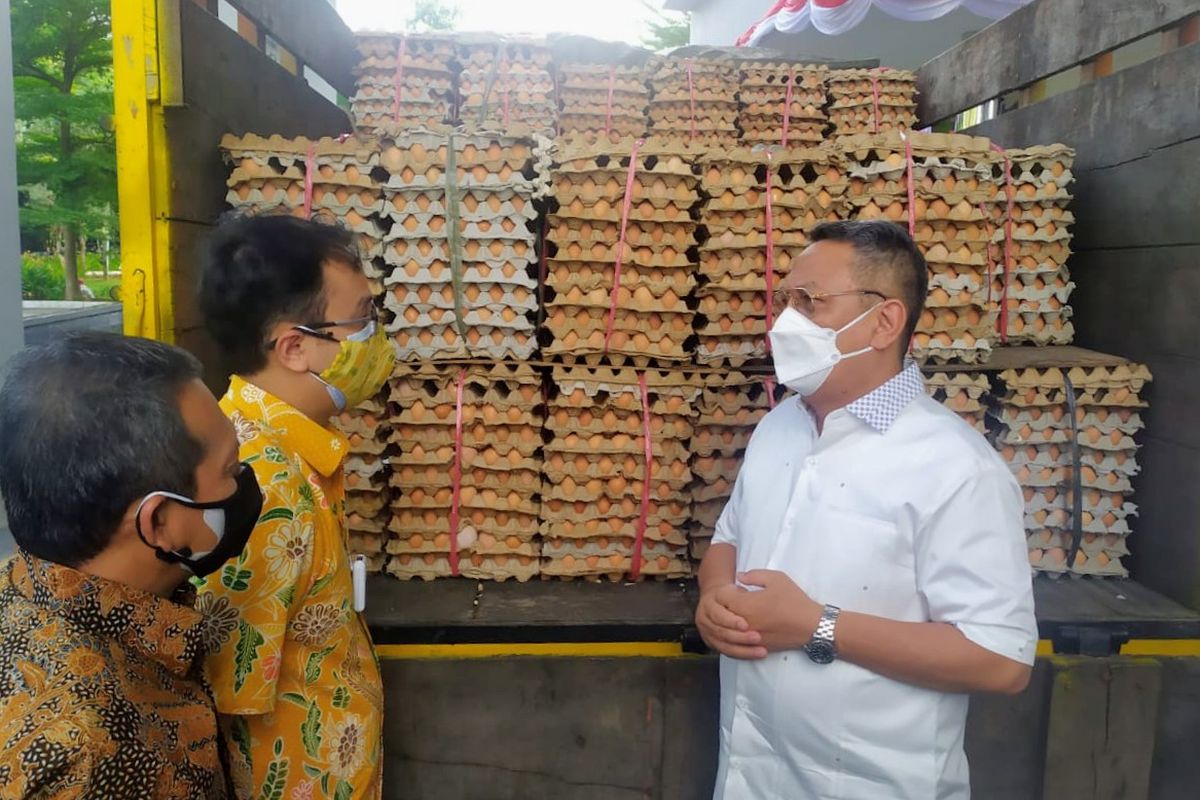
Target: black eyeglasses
(318, 330)
(806, 301)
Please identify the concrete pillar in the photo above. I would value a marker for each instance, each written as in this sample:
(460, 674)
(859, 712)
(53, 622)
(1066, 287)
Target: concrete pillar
(11, 333)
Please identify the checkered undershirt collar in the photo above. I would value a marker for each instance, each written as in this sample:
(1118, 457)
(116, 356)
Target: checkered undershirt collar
(880, 408)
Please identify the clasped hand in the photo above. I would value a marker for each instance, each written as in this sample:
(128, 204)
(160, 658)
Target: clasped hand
(773, 614)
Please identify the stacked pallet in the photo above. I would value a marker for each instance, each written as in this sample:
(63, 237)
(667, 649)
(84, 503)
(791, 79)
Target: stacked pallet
(461, 250)
(1032, 236)
(620, 271)
(730, 405)
(504, 83)
(760, 206)
(466, 481)
(607, 512)
(693, 101)
(366, 473)
(1036, 435)
(403, 82)
(601, 102)
(872, 101)
(948, 177)
(779, 103)
(964, 393)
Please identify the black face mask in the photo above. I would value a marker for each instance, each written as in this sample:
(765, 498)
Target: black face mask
(232, 520)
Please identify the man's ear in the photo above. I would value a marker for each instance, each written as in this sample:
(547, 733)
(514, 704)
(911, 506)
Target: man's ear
(290, 348)
(149, 517)
(891, 321)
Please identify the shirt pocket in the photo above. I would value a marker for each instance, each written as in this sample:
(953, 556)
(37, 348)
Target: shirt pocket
(864, 564)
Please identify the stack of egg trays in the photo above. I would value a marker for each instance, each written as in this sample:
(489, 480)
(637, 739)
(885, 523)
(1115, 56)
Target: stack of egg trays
(652, 318)
(367, 472)
(872, 101)
(506, 84)
(1035, 435)
(964, 393)
(731, 404)
(595, 468)
(1038, 285)
(403, 82)
(807, 187)
(268, 174)
(601, 102)
(700, 111)
(461, 251)
(951, 182)
(763, 106)
(500, 455)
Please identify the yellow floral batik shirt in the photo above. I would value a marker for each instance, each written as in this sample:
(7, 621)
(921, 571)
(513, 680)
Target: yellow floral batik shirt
(289, 659)
(102, 690)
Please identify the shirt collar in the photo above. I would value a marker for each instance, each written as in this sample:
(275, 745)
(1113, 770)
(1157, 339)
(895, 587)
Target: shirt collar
(881, 407)
(320, 447)
(167, 631)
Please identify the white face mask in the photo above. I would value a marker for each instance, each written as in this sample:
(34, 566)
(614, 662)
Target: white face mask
(805, 353)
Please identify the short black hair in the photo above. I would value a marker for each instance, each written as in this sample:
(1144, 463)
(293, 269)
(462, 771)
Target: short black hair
(89, 424)
(885, 252)
(257, 270)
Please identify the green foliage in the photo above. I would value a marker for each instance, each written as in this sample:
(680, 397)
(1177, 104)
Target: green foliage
(432, 15)
(668, 30)
(62, 78)
(41, 277)
(246, 653)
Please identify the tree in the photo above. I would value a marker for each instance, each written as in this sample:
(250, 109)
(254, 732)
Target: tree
(62, 76)
(667, 30)
(433, 15)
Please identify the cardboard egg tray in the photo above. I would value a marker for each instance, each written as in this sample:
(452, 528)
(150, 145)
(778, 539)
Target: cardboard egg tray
(701, 112)
(763, 106)
(652, 318)
(964, 393)
(807, 187)
(730, 405)
(1034, 435)
(601, 102)
(871, 100)
(419, 67)
(500, 489)
(506, 81)
(595, 468)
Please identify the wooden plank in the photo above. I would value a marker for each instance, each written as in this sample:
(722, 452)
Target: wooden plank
(1100, 738)
(1111, 603)
(1150, 201)
(1034, 42)
(1006, 740)
(1003, 358)
(1116, 119)
(1176, 770)
(314, 32)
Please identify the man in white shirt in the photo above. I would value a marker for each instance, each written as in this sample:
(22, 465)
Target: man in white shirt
(870, 569)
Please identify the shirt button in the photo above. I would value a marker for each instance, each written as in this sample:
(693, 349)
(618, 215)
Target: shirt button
(810, 462)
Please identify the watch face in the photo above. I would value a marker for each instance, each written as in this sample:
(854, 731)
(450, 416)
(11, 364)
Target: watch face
(820, 652)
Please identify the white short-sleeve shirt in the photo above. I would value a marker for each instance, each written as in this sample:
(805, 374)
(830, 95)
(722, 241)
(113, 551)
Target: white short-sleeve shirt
(897, 509)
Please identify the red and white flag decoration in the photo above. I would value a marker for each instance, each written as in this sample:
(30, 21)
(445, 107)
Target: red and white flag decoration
(833, 17)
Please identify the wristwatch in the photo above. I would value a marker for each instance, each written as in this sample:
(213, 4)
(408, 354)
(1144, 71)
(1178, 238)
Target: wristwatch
(821, 648)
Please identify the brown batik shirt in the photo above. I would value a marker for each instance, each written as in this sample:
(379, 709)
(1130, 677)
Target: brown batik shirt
(101, 690)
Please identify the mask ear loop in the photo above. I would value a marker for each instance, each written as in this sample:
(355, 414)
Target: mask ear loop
(842, 356)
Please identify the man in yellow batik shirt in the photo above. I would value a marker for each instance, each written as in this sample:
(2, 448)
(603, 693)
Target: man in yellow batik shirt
(290, 660)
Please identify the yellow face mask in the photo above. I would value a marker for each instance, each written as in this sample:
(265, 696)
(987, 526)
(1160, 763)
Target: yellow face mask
(363, 363)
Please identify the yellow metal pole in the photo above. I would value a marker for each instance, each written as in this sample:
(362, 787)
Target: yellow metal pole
(145, 71)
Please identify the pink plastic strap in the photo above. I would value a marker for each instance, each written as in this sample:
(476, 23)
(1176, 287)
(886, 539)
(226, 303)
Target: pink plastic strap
(769, 385)
(691, 102)
(770, 255)
(912, 190)
(787, 107)
(635, 570)
(625, 206)
(456, 471)
(1002, 320)
(310, 166)
(398, 81)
